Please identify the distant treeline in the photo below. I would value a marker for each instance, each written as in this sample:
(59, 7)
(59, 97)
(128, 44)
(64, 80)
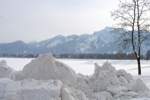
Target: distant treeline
(98, 56)
(19, 55)
(81, 56)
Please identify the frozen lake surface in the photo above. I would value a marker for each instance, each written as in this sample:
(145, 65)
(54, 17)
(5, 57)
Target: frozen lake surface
(86, 66)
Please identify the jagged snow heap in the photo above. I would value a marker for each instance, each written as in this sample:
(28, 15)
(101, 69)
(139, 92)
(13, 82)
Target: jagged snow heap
(114, 84)
(44, 78)
(46, 67)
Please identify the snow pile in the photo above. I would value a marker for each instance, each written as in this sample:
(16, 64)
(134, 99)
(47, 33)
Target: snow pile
(5, 70)
(44, 78)
(46, 67)
(107, 84)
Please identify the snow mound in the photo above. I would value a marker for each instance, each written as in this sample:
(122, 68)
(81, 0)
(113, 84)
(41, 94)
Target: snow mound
(5, 70)
(45, 67)
(107, 83)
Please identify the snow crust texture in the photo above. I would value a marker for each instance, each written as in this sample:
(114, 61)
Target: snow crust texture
(44, 78)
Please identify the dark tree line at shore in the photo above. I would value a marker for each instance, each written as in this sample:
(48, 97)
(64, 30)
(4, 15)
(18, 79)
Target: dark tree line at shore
(82, 56)
(98, 56)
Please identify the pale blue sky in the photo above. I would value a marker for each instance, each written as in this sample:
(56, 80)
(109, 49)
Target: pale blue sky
(31, 20)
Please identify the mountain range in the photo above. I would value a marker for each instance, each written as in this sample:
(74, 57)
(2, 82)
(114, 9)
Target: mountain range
(104, 41)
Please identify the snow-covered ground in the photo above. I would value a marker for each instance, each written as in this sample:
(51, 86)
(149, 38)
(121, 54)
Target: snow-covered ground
(17, 63)
(86, 66)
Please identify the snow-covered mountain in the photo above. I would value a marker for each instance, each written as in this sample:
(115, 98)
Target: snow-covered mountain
(98, 42)
(103, 41)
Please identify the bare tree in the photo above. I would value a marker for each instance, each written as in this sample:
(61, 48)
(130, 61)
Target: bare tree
(133, 17)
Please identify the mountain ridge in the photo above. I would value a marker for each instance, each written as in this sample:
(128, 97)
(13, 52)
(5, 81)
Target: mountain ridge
(100, 42)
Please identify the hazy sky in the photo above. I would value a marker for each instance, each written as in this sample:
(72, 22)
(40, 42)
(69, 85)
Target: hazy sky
(31, 20)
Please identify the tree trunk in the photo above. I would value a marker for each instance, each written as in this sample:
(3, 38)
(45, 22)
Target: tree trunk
(139, 65)
(139, 39)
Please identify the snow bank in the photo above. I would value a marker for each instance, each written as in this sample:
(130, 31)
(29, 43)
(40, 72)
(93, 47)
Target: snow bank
(5, 70)
(37, 81)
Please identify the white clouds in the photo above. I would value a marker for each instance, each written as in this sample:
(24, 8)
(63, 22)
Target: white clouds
(38, 19)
